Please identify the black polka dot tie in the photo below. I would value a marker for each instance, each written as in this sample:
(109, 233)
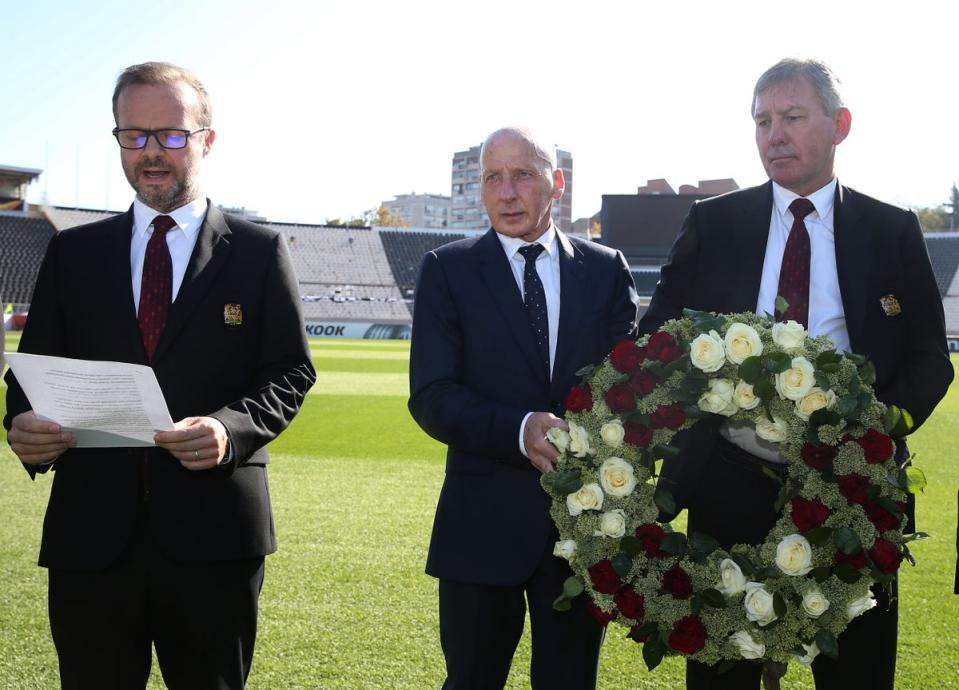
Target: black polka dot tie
(156, 285)
(534, 296)
(794, 272)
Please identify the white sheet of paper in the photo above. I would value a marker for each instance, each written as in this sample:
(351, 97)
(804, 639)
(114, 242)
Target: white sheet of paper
(103, 404)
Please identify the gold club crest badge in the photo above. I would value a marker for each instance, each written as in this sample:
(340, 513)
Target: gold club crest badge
(890, 305)
(232, 314)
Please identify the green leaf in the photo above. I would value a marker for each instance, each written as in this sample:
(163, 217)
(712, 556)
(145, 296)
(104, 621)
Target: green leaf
(703, 543)
(563, 481)
(586, 371)
(777, 362)
(781, 305)
(846, 573)
(822, 380)
(775, 476)
(915, 480)
(751, 370)
(572, 587)
(827, 357)
(858, 360)
(622, 563)
(847, 541)
(827, 644)
(867, 373)
(916, 536)
(907, 555)
(713, 597)
(674, 543)
(824, 416)
(765, 389)
(779, 604)
(830, 368)
(653, 651)
(787, 492)
(849, 407)
(818, 535)
(631, 545)
(676, 365)
(562, 603)
(744, 563)
(696, 605)
(821, 574)
(664, 501)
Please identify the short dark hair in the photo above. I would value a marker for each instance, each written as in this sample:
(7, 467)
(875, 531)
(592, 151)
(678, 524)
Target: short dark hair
(167, 74)
(823, 80)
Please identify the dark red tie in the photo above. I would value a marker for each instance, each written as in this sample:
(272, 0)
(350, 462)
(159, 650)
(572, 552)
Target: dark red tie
(156, 286)
(794, 273)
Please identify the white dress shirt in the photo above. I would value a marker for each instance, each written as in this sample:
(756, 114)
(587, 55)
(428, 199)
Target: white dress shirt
(180, 239)
(826, 315)
(547, 267)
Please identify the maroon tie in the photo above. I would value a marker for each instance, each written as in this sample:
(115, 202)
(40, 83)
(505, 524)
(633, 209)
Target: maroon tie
(794, 273)
(156, 286)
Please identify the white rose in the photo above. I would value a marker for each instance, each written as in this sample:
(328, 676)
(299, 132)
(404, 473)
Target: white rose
(731, 578)
(860, 605)
(789, 334)
(758, 603)
(564, 549)
(589, 497)
(814, 603)
(744, 397)
(616, 477)
(742, 342)
(558, 437)
(613, 433)
(718, 399)
(794, 555)
(812, 651)
(578, 440)
(707, 353)
(611, 524)
(816, 399)
(747, 646)
(796, 382)
(774, 431)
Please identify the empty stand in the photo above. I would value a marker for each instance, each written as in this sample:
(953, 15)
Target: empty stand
(23, 242)
(405, 249)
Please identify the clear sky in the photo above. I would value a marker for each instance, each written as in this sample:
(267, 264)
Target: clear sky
(324, 109)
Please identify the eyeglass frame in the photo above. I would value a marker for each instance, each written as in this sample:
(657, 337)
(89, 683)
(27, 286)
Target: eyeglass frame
(153, 133)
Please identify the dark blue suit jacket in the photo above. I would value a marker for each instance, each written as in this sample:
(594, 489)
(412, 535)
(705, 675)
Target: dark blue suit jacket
(474, 374)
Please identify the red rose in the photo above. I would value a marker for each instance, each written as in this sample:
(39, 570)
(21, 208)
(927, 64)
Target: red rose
(604, 578)
(885, 555)
(652, 536)
(663, 346)
(631, 603)
(599, 615)
(580, 398)
(620, 398)
(854, 487)
(668, 417)
(880, 517)
(856, 560)
(677, 582)
(818, 457)
(688, 635)
(626, 356)
(637, 434)
(877, 446)
(642, 382)
(807, 514)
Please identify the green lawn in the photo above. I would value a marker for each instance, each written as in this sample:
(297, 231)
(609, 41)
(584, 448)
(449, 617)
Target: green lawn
(346, 605)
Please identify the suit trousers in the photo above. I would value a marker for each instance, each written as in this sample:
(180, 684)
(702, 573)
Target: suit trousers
(734, 502)
(480, 626)
(201, 617)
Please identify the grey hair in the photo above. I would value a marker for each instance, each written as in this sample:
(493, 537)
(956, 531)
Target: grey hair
(545, 153)
(166, 74)
(823, 80)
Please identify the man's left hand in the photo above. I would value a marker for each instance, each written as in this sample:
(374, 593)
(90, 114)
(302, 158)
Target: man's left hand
(542, 454)
(199, 443)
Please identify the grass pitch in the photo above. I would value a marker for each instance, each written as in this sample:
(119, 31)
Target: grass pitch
(346, 605)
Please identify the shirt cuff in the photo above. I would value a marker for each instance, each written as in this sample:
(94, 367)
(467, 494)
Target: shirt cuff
(522, 431)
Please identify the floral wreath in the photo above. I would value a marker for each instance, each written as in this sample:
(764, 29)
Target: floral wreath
(841, 504)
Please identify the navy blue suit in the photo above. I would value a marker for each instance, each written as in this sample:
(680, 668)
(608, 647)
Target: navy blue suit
(474, 375)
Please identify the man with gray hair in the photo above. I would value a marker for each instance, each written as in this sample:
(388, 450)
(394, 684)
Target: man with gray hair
(502, 323)
(850, 267)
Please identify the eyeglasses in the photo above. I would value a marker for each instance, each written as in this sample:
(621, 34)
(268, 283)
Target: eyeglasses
(167, 138)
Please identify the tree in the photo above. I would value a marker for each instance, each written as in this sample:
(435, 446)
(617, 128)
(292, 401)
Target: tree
(386, 219)
(933, 218)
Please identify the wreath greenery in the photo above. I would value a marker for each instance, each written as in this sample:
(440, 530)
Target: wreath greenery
(841, 504)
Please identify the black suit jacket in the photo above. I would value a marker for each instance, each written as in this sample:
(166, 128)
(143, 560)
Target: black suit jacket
(716, 265)
(474, 375)
(251, 376)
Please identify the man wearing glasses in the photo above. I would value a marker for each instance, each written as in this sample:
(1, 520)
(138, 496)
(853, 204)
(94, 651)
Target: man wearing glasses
(164, 546)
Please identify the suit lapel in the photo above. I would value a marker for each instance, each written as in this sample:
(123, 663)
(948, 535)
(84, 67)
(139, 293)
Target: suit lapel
(120, 275)
(573, 285)
(851, 245)
(210, 253)
(748, 238)
(498, 276)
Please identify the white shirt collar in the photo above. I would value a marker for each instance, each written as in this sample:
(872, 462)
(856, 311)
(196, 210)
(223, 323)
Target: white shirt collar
(548, 239)
(823, 199)
(188, 218)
